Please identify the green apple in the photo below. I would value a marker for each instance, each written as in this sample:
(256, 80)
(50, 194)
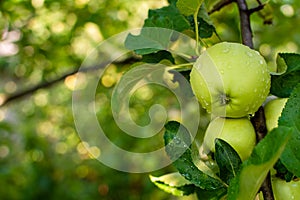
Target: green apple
(230, 80)
(239, 133)
(285, 190)
(273, 111)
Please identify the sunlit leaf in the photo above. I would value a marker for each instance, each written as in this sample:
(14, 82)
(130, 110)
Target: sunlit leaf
(283, 84)
(178, 141)
(170, 15)
(188, 7)
(254, 170)
(290, 117)
(151, 40)
(173, 183)
(227, 159)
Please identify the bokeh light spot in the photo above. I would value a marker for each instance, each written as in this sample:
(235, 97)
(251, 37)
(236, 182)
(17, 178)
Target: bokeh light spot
(4, 151)
(287, 10)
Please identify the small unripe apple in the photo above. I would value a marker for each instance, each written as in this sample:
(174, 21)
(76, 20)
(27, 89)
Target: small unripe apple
(239, 133)
(230, 80)
(273, 111)
(285, 190)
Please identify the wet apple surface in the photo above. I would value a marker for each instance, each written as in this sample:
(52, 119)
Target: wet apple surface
(230, 80)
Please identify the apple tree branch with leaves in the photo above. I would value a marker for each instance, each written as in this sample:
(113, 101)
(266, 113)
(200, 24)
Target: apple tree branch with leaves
(250, 149)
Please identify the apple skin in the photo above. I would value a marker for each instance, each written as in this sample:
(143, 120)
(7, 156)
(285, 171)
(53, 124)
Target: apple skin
(285, 190)
(273, 111)
(230, 80)
(239, 133)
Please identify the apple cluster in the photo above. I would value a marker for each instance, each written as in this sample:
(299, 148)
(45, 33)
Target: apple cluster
(231, 81)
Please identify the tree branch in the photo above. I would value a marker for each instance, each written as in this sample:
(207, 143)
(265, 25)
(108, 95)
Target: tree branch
(259, 123)
(30, 91)
(218, 6)
(246, 31)
(258, 8)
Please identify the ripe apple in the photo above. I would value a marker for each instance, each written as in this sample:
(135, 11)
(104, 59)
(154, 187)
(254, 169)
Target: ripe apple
(273, 111)
(239, 133)
(285, 190)
(230, 80)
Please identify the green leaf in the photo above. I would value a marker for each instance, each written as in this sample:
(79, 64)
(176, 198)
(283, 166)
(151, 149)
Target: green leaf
(157, 57)
(227, 159)
(188, 7)
(173, 183)
(149, 41)
(290, 117)
(216, 194)
(206, 30)
(254, 170)
(172, 1)
(283, 172)
(153, 39)
(169, 15)
(282, 85)
(178, 141)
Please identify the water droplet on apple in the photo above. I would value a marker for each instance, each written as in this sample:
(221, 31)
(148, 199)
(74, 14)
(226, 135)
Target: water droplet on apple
(261, 62)
(176, 140)
(222, 71)
(226, 50)
(255, 90)
(249, 54)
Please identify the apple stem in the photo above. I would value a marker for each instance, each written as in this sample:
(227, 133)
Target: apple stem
(224, 100)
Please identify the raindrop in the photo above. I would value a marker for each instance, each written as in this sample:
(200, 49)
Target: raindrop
(249, 54)
(226, 50)
(261, 62)
(176, 140)
(187, 176)
(222, 71)
(255, 90)
(192, 167)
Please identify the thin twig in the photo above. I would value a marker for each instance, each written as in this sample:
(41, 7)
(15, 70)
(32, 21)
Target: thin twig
(255, 9)
(30, 91)
(220, 5)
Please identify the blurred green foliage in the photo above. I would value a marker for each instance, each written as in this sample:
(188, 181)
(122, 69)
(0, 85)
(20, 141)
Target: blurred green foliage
(41, 155)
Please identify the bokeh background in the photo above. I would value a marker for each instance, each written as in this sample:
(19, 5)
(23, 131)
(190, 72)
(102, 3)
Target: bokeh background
(41, 155)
